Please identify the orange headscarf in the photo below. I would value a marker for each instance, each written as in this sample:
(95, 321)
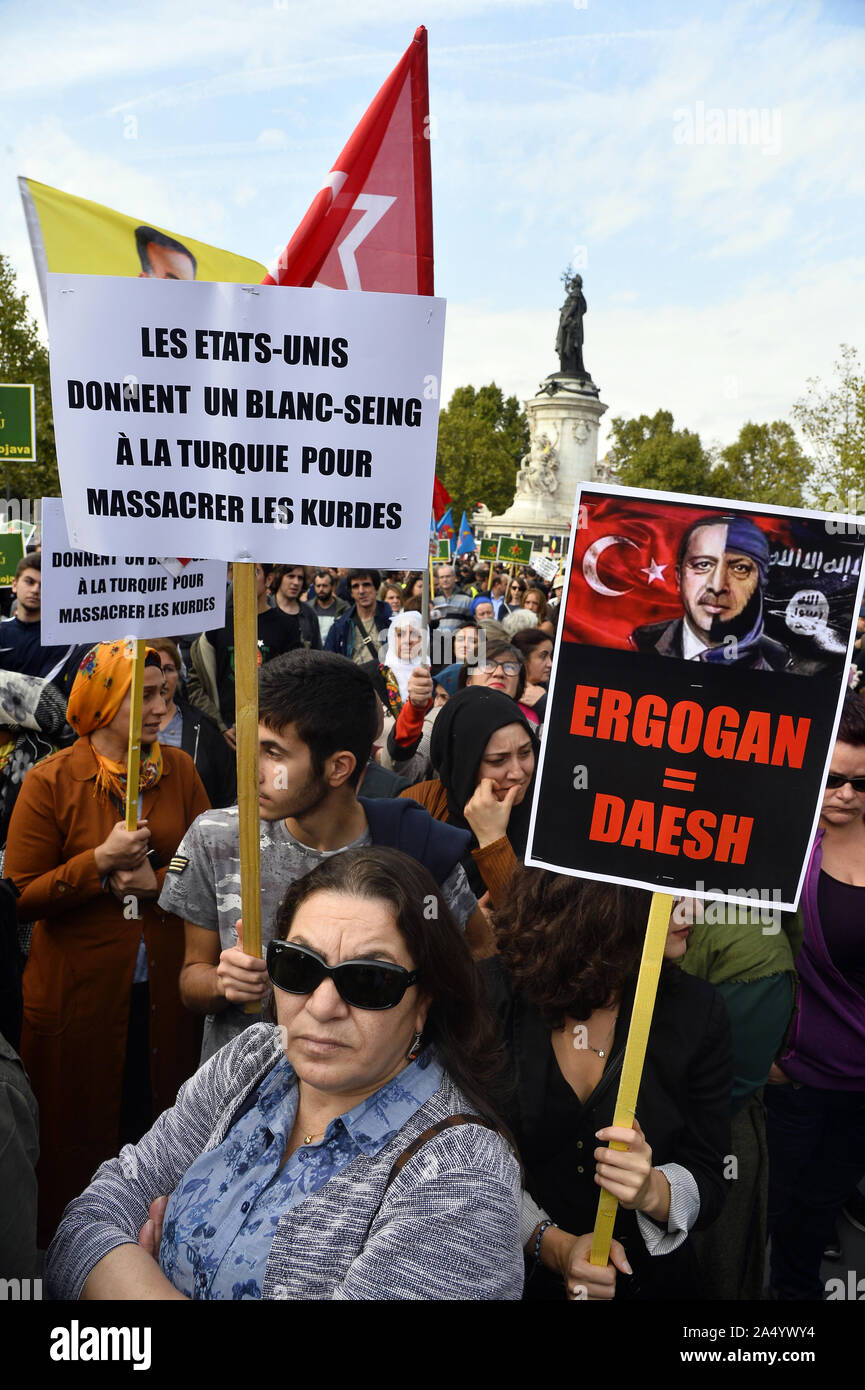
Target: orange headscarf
(98, 691)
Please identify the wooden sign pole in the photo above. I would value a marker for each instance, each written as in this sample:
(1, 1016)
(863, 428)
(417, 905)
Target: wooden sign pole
(133, 752)
(246, 731)
(424, 619)
(635, 1052)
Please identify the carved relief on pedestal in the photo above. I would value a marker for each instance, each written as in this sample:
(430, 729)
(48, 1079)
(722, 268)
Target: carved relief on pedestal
(580, 431)
(538, 473)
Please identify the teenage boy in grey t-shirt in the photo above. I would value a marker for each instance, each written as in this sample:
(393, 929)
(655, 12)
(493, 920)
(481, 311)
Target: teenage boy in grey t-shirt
(318, 721)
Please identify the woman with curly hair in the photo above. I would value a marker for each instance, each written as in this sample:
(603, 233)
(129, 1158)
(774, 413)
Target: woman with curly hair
(563, 987)
(413, 586)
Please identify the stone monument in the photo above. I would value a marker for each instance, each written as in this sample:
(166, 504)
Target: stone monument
(563, 432)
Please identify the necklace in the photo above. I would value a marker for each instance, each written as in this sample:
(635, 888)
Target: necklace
(583, 1041)
(308, 1138)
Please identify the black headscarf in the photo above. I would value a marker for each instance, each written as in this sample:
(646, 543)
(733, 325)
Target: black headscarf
(461, 732)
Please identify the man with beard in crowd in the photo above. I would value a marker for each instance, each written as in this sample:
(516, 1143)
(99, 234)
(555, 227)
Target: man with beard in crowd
(722, 568)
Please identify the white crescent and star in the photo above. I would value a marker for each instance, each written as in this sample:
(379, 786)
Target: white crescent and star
(590, 564)
(654, 571)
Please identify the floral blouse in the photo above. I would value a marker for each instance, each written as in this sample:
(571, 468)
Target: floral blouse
(222, 1217)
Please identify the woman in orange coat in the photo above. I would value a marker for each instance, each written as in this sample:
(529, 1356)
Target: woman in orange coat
(89, 1032)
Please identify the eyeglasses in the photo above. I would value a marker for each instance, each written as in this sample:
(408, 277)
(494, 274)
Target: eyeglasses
(507, 668)
(363, 984)
(836, 779)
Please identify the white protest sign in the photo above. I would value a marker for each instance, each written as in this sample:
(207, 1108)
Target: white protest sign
(96, 598)
(546, 567)
(245, 422)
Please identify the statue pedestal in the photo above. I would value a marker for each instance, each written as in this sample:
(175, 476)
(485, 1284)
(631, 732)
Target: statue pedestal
(563, 427)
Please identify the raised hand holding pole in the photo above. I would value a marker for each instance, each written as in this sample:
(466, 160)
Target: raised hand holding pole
(635, 1052)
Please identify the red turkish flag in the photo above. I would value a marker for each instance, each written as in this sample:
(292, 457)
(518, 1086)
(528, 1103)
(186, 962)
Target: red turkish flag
(623, 573)
(370, 226)
(624, 568)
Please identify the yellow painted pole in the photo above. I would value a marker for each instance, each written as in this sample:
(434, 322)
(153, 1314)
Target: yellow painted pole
(133, 752)
(246, 731)
(635, 1052)
(424, 618)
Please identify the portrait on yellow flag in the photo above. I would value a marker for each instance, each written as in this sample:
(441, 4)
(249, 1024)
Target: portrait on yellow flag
(75, 235)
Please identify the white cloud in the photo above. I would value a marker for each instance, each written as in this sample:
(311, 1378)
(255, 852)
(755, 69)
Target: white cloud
(545, 141)
(272, 139)
(744, 358)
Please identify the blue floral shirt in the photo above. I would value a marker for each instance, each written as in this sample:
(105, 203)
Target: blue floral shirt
(221, 1219)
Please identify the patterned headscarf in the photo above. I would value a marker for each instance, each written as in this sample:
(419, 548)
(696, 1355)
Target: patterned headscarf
(99, 689)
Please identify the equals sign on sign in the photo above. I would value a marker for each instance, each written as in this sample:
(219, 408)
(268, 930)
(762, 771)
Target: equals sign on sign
(679, 781)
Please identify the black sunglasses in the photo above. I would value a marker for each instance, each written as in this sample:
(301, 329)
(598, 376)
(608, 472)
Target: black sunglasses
(837, 779)
(365, 984)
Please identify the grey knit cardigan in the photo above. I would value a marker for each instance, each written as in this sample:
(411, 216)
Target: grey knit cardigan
(447, 1227)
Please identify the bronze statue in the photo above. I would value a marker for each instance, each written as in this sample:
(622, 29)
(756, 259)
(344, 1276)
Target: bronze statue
(569, 340)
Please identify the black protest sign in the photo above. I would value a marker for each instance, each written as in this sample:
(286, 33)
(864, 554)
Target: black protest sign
(701, 662)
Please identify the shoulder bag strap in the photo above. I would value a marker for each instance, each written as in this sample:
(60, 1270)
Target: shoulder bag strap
(365, 637)
(418, 1143)
(431, 1133)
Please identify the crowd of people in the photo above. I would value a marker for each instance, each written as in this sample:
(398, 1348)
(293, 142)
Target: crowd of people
(409, 1094)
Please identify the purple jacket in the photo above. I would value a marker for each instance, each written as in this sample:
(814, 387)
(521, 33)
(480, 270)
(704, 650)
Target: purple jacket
(826, 1046)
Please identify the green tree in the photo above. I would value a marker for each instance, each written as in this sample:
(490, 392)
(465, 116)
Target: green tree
(482, 437)
(832, 419)
(649, 452)
(766, 464)
(23, 358)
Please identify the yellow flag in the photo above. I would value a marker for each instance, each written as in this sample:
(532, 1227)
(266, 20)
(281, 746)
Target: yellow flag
(72, 234)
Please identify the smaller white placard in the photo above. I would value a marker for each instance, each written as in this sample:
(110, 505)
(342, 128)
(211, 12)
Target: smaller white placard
(97, 598)
(546, 567)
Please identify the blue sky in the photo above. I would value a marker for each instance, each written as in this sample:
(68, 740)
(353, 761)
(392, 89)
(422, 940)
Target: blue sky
(723, 260)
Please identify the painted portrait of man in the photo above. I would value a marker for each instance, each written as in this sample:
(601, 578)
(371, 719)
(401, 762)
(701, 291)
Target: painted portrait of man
(721, 571)
(162, 257)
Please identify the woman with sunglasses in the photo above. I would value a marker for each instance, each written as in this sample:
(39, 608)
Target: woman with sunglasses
(816, 1108)
(350, 1152)
(514, 595)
